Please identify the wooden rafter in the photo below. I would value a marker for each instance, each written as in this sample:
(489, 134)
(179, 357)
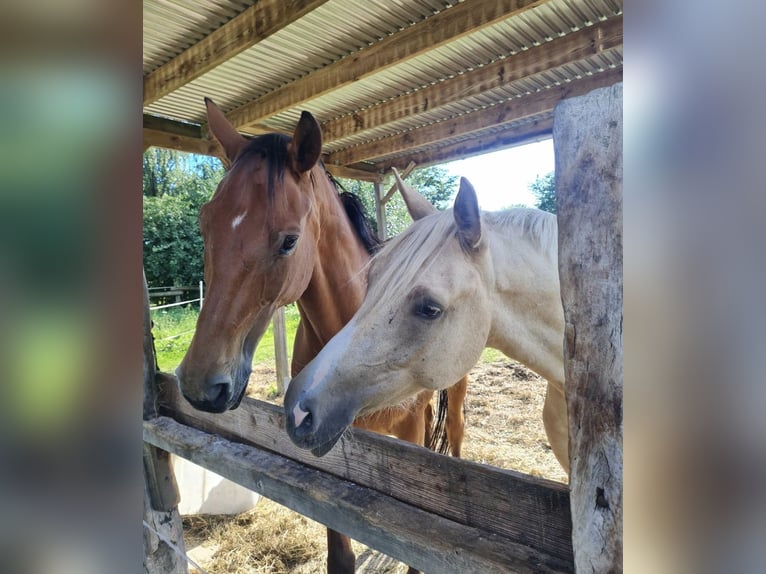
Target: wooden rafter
(259, 21)
(353, 173)
(435, 31)
(561, 51)
(501, 114)
(181, 143)
(512, 136)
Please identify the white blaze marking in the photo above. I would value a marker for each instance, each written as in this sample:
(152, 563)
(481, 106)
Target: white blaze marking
(237, 220)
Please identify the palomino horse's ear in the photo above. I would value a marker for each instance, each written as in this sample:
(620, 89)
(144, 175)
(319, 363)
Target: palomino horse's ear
(417, 205)
(466, 213)
(306, 146)
(224, 132)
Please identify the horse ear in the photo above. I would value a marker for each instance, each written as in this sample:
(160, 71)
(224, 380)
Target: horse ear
(417, 205)
(306, 146)
(224, 132)
(466, 213)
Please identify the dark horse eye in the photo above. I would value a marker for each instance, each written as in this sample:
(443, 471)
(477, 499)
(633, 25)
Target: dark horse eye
(428, 309)
(288, 244)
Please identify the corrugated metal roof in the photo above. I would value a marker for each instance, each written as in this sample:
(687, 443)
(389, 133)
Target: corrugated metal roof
(339, 28)
(171, 26)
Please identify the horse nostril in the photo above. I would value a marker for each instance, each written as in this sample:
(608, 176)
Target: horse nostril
(303, 419)
(217, 394)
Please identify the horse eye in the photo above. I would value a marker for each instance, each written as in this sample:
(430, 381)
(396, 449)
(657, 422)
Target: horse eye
(288, 244)
(428, 309)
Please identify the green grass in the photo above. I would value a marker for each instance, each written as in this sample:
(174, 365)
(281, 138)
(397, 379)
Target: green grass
(174, 327)
(181, 321)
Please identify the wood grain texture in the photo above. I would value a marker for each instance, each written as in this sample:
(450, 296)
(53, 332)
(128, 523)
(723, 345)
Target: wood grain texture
(449, 24)
(160, 489)
(573, 47)
(495, 116)
(182, 143)
(430, 543)
(259, 21)
(587, 136)
(525, 510)
(352, 173)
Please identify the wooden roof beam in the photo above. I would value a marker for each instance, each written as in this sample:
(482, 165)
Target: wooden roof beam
(501, 114)
(561, 51)
(353, 173)
(181, 143)
(512, 136)
(259, 21)
(450, 24)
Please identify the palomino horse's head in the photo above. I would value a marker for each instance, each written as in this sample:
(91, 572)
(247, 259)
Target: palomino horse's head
(427, 293)
(259, 235)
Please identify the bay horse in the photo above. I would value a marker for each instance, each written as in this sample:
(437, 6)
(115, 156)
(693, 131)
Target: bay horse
(276, 232)
(449, 285)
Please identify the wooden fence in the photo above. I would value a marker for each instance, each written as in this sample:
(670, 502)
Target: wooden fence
(433, 512)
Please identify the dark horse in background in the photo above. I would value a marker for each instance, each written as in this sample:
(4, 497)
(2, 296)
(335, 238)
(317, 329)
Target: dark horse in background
(276, 232)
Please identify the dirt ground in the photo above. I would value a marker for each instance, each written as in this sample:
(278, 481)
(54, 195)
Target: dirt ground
(504, 428)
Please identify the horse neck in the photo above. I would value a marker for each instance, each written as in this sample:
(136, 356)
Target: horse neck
(528, 319)
(338, 284)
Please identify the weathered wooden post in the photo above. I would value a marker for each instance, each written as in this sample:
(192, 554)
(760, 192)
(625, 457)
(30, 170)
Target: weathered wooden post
(380, 210)
(280, 350)
(587, 136)
(162, 521)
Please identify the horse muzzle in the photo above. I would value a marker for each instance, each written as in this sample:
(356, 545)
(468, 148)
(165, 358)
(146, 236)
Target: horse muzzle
(218, 393)
(309, 429)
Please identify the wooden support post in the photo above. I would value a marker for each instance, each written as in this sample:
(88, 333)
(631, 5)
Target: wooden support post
(160, 489)
(380, 211)
(587, 137)
(280, 350)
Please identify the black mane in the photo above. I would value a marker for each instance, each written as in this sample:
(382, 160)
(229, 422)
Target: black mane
(360, 222)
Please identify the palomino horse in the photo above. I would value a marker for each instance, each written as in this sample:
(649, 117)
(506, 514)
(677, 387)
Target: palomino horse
(276, 232)
(448, 286)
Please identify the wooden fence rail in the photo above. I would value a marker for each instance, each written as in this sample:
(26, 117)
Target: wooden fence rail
(436, 513)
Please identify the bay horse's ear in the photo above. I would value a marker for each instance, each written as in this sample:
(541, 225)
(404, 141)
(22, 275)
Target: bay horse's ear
(224, 132)
(417, 205)
(467, 217)
(306, 146)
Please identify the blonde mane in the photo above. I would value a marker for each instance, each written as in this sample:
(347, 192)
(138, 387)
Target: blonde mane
(412, 252)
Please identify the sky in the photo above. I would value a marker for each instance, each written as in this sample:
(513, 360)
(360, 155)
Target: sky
(501, 179)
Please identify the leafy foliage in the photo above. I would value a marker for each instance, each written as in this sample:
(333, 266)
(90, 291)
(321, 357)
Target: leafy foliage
(544, 190)
(434, 183)
(175, 187)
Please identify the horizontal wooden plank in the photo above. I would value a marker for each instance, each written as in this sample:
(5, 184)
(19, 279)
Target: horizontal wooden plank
(241, 32)
(352, 173)
(181, 143)
(511, 136)
(449, 24)
(427, 542)
(524, 509)
(494, 116)
(573, 47)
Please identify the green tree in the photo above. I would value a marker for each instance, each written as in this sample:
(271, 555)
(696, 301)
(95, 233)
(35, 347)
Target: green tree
(175, 186)
(544, 190)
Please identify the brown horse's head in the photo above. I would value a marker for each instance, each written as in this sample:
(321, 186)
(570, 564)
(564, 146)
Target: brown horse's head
(260, 233)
